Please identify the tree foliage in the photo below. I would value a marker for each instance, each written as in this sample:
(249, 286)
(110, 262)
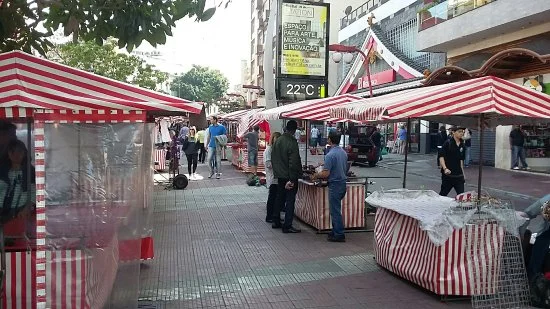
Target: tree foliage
(200, 84)
(27, 24)
(232, 105)
(106, 61)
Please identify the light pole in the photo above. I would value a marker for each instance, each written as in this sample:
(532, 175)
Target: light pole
(348, 51)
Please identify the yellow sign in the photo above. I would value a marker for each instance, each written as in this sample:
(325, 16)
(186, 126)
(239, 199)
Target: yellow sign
(304, 39)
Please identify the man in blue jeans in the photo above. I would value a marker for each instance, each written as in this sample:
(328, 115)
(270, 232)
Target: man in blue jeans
(214, 150)
(335, 169)
(517, 140)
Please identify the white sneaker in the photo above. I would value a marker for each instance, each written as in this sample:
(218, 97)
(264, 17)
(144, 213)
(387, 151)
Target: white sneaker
(192, 177)
(516, 168)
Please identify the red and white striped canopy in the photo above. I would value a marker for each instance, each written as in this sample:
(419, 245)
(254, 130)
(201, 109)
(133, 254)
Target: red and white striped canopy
(308, 110)
(502, 101)
(29, 82)
(248, 121)
(237, 115)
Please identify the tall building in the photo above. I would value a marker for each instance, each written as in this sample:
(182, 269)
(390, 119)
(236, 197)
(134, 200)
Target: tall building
(504, 38)
(389, 30)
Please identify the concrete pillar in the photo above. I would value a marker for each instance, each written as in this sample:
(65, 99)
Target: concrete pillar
(503, 154)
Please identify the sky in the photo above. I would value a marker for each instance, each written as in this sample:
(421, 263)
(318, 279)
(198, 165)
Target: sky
(219, 43)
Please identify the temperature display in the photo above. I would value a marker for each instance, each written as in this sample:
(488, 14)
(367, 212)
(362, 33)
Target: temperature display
(296, 90)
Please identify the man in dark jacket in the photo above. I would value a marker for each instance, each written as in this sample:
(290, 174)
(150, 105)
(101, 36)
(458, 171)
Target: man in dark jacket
(287, 168)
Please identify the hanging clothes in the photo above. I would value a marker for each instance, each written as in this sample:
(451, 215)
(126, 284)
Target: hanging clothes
(165, 134)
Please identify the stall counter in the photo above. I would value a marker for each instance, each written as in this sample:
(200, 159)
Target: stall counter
(312, 205)
(437, 259)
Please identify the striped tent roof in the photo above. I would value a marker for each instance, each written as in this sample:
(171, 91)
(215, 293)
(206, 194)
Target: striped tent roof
(29, 82)
(248, 121)
(237, 115)
(308, 110)
(501, 101)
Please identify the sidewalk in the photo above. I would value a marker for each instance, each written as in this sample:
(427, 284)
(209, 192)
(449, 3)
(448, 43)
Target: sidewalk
(214, 250)
(523, 184)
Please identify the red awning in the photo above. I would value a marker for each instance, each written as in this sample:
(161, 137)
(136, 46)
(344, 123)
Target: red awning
(308, 110)
(27, 81)
(502, 101)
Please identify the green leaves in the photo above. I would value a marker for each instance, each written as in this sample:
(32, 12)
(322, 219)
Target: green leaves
(130, 22)
(106, 61)
(200, 84)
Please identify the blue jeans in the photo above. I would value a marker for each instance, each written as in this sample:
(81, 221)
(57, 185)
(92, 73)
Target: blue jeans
(467, 155)
(214, 159)
(336, 192)
(518, 153)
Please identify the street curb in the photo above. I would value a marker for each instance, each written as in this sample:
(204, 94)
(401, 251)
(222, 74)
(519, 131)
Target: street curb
(504, 192)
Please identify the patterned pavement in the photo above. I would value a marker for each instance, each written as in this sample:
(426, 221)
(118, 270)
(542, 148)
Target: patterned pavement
(214, 250)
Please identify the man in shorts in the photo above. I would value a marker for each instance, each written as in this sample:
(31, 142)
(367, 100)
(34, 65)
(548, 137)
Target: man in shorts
(252, 148)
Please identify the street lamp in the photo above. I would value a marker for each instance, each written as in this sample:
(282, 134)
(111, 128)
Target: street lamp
(348, 51)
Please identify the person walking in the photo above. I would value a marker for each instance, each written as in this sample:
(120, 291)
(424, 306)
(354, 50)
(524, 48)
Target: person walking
(517, 140)
(287, 168)
(451, 160)
(200, 145)
(252, 148)
(190, 147)
(314, 136)
(376, 138)
(335, 170)
(214, 149)
(270, 180)
(467, 147)
(298, 135)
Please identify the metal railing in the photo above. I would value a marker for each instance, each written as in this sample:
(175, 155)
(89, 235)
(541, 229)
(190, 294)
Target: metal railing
(439, 12)
(358, 13)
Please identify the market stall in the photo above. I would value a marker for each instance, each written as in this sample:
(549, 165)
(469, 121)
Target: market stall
(411, 224)
(240, 123)
(482, 102)
(312, 199)
(91, 143)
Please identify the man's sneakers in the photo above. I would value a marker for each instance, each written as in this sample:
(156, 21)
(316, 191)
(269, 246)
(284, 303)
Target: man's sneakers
(218, 176)
(515, 168)
(211, 174)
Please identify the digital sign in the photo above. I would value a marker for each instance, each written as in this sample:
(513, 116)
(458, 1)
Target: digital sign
(303, 39)
(298, 89)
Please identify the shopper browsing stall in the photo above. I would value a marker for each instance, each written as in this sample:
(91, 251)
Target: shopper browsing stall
(335, 170)
(252, 139)
(451, 161)
(271, 181)
(287, 168)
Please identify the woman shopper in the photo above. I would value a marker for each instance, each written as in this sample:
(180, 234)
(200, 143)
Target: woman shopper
(271, 182)
(190, 147)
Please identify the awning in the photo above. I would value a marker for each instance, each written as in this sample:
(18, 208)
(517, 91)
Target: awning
(27, 81)
(501, 101)
(237, 115)
(248, 121)
(308, 110)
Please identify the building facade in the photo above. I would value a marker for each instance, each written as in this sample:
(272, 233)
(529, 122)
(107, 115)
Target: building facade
(391, 26)
(501, 38)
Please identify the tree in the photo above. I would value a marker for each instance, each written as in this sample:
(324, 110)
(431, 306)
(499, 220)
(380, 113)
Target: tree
(106, 61)
(200, 84)
(231, 104)
(27, 24)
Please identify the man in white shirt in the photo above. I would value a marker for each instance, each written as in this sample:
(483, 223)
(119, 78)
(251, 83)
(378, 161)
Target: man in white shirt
(314, 136)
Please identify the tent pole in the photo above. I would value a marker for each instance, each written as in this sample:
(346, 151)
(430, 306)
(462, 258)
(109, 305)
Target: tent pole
(307, 136)
(407, 140)
(480, 163)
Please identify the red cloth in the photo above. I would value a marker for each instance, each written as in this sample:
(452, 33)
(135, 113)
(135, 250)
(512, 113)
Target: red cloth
(264, 126)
